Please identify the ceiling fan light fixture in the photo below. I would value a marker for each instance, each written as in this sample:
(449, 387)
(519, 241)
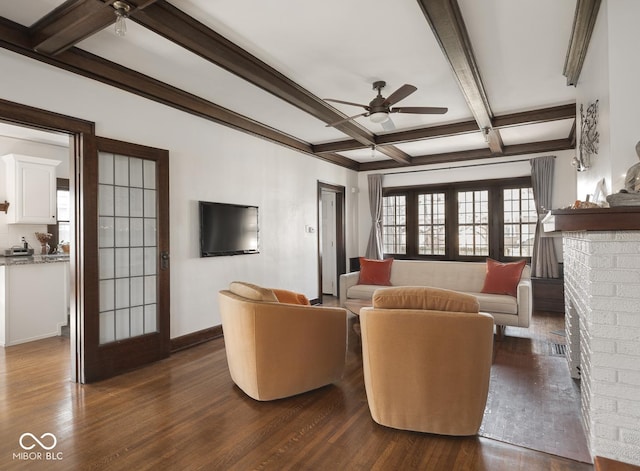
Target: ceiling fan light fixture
(379, 117)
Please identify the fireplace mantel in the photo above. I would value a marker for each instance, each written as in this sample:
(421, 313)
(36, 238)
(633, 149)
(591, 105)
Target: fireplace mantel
(621, 218)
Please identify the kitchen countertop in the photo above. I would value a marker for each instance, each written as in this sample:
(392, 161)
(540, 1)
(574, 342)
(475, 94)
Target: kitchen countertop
(24, 260)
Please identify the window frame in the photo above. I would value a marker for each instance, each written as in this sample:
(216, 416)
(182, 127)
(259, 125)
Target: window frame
(61, 184)
(495, 189)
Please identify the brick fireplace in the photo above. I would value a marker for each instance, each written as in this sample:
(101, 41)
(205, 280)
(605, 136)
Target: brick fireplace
(602, 291)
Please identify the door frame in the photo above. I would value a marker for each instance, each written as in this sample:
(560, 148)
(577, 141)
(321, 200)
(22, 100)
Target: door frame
(82, 147)
(341, 252)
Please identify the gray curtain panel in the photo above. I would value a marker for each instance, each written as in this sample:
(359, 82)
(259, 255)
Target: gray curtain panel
(374, 246)
(544, 262)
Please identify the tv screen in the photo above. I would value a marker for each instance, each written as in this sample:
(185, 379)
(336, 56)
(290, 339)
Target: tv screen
(228, 229)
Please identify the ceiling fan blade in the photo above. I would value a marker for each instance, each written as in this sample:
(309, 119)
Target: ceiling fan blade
(366, 107)
(400, 94)
(419, 110)
(389, 125)
(366, 113)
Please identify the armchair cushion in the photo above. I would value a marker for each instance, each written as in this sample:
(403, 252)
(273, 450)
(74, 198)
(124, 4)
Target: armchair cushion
(290, 297)
(424, 298)
(252, 292)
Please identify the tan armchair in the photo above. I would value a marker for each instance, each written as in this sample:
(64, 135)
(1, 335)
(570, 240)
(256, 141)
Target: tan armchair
(427, 356)
(276, 350)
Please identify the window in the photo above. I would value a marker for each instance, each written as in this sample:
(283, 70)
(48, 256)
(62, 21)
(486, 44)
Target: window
(394, 224)
(520, 218)
(431, 227)
(473, 222)
(460, 221)
(61, 231)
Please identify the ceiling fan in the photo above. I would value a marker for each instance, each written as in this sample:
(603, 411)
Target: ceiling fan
(379, 108)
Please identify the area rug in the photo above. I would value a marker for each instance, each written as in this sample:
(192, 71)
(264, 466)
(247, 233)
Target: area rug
(534, 403)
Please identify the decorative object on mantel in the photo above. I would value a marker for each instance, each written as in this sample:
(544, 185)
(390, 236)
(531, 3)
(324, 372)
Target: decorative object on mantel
(4, 206)
(630, 194)
(43, 238)
(589, 137)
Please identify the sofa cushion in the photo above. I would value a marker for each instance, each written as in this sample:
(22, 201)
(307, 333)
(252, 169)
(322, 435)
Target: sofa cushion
(253, 292)
(455, 276)
(375, 272)
(361, 291)
(503, 278)
(497, 303)
(290, 297)
(426, 298)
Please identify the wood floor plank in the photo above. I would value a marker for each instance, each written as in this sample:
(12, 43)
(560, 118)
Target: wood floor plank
(185, 413)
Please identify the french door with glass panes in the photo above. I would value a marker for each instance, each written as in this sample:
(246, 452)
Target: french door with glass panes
(127, 321)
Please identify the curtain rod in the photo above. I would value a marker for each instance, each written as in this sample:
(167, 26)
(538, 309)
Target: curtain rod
(468, 166)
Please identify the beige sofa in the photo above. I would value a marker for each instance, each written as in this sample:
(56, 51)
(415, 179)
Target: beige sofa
(465, 277)
(426, 367)
(278, 349)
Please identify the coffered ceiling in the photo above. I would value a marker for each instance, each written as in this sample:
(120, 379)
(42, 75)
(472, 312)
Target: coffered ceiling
(501, 67)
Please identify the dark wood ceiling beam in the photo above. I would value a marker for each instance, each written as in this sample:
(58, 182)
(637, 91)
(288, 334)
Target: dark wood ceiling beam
(447, 25)
(74, 21)
(16, 38)
(474, 154)
(337, 146)
(543, 115)
(178, 27)
(583, 22)
(395, 153)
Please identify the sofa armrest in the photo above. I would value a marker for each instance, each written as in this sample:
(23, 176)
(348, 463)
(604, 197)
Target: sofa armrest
(347, 280)
(525, 302)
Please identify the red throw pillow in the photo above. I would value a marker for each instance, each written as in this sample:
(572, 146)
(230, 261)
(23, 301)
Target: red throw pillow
(375, 272)
(503, 278)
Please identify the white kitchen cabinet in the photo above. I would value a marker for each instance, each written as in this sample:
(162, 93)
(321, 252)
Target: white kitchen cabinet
(31, 189)
(34, 301)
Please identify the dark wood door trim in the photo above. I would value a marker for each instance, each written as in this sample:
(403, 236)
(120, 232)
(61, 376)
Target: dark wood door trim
(341, 251)
(83, 146)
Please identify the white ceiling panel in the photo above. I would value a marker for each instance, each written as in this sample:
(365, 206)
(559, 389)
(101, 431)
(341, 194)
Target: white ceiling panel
(27, 12)
(536, 132)
(520, 47)
(364, 155)
(444, 144)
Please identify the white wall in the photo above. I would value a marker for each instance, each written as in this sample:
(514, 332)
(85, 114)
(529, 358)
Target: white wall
(10, 234)
(207, 162)
(563, 186)
(624, 71)
(610, 75)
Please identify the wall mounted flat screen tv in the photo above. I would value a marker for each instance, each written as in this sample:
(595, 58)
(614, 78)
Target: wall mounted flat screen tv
(228, 229)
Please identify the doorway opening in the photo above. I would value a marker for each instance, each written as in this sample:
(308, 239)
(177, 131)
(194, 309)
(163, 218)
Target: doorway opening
(80, 136)
(331, 238)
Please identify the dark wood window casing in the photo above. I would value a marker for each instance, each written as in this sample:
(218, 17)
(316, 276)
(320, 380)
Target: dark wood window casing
(494, 188)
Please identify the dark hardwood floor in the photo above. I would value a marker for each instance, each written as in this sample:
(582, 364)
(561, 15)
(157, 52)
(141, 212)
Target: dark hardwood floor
(184, 413)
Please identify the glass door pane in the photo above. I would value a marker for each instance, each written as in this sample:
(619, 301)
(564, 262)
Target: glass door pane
(127, 246)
